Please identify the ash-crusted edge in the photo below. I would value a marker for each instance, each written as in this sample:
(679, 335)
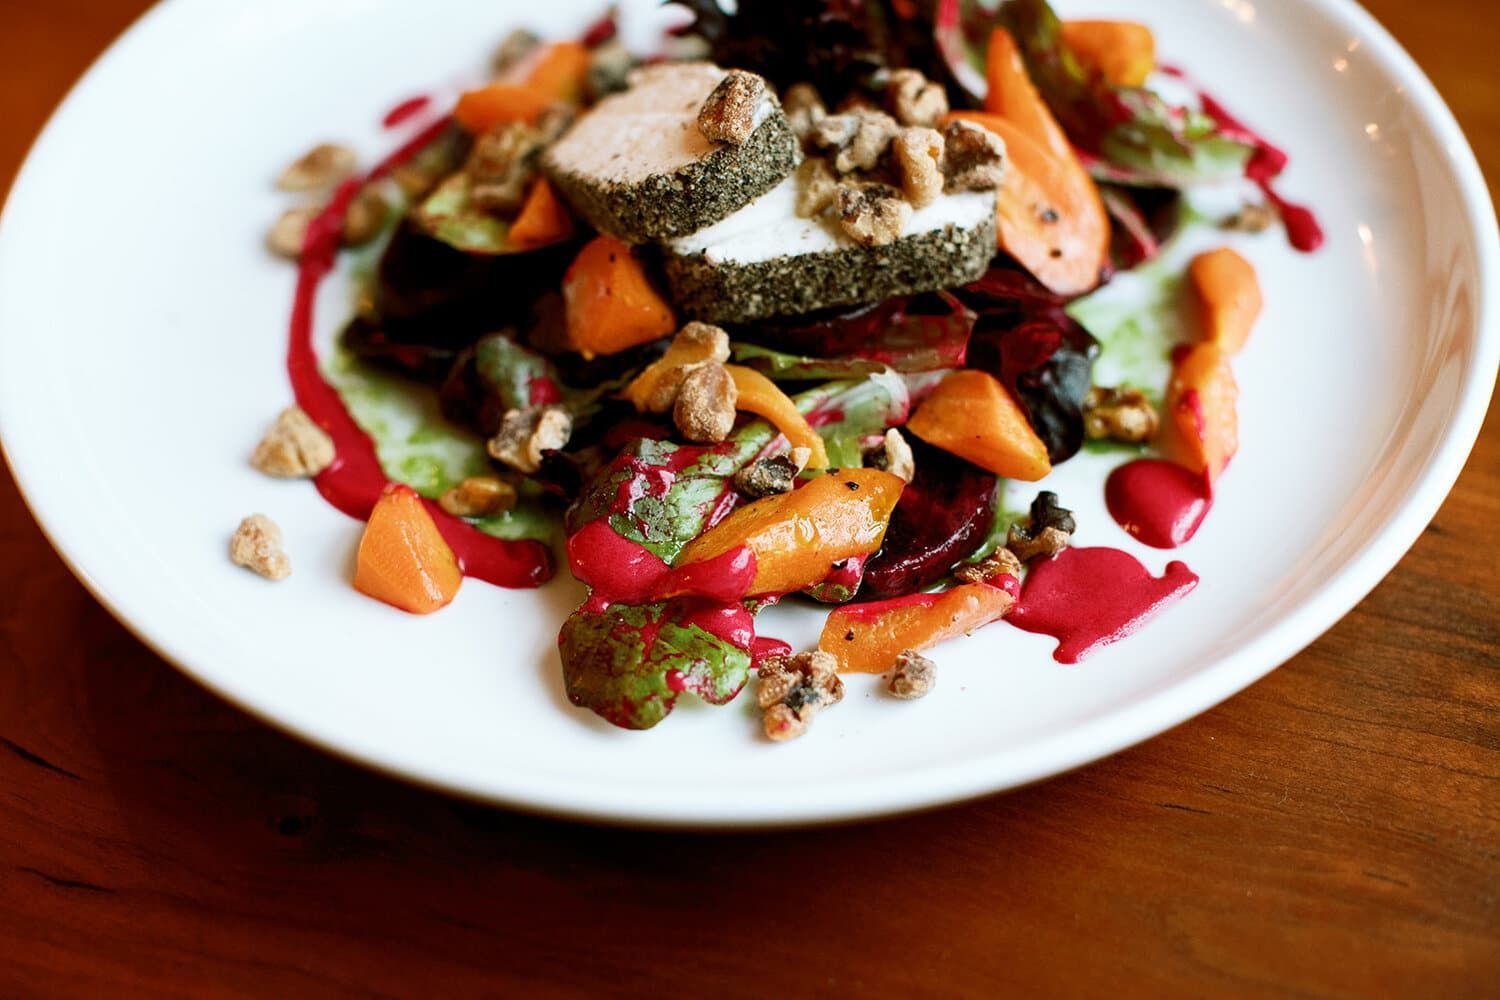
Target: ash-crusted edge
(732, 292)
(689, 198)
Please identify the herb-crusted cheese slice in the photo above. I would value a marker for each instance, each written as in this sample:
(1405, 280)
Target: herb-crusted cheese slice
(638, 167)
(766, 261)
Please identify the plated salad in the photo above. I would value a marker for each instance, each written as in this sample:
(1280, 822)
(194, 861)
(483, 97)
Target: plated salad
(783, 310)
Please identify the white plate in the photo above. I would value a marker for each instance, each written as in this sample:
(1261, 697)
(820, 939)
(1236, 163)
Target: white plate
(142, 330)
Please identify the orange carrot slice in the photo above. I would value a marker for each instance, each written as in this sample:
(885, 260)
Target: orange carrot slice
(971, 415)
(610, 303)
(1123, 52)
(1228, 296)
(762, 397)
(867, 638)
(544, 219)
(553, 73)
(1203, 429)
(403, 559)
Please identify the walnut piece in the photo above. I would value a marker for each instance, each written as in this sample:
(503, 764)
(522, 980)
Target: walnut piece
(817, 187)
(525, 433)
(365, 217)
(728, 115)
(803, 108)
(289, 231)
(872, 214)
(319, 168)
(914, 675)
(501, 166)
(512, 49)
(974, 157)
(892, 455)
(1001, 562)
(479, 496)
(256, 545)
(791, 690)
(1255, 217)
(1049, 531)
(609, 68)
(914, 99)
(1122, 414)
(703, 342)
(858, 138)
(919, 159)
(294, 447)
(704, 410)
(767, 477)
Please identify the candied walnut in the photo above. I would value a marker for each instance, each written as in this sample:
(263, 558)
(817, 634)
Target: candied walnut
(609, 69)
(256, 545)
(1001, 562)
(294, 447)
(817, 187)
(512, 49)
(914, 99)
(872, 214)
(365, 218)
(1049, 531)
(919, 158)
(554, 121)
(703, 341)
(857, 138)
(767, 477)
(914, 676)
(479, 496)
(319, 168)
(728, 115)
(501, 166)
(1255, 217)
(289, 231)
(893, 455)
(704, 410)
(525, 433)
(1122, 414)
(803, 108)
(415, 181)
(973, 157)
(792, 690)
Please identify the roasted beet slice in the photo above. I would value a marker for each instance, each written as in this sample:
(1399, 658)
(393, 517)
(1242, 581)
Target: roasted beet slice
(943, 515)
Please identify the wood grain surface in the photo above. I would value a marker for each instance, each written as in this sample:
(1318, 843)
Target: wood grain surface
(1332, 831)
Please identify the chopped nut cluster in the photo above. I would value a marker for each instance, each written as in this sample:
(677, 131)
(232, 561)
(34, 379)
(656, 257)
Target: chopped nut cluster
(1255, 217)
(919, 159)
(479, 496)
(703, 340)
(526, 433)
(365, 217)
(792, 690)
(289, 231)
(872, 214)
(609, 69)
(914, 675)
(857, 138)
(319, 169)
(914, 99)
(256, 545)
(501, 166)
(893, 456)
(294, 447)
(728, 115)
(1122, 414)
(1001, 562)
(974, 157)
(803, 108)
(1049, 531)
(512, 49)
(817, 187)
(767, 477)
(704, 410)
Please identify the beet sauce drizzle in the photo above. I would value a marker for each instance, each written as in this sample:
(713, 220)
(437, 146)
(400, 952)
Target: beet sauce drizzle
(355, 480)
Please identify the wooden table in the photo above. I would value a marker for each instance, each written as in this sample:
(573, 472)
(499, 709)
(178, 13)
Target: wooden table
(1334, 830)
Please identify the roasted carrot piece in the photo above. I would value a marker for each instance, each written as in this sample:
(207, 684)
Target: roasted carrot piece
(609, 301)
(403, 559)
(554, 73)
(544, 219)
(796, 537)
(762, 397)
(867, 638)
(971, 415)
(1123, 52)
(1203, 429)
(1228, 295)
(1014, 97)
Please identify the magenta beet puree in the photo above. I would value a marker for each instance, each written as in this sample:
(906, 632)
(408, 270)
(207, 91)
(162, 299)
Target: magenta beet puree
(1088, 598)
(405, 111)
(355, 480)
(1158, 502)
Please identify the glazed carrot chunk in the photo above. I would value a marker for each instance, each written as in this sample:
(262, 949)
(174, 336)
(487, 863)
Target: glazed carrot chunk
(553, 73)
(867, 638)
(762, 397)
(971, 415)
(610, 303)
(1203, 429)
(543, 220)
(1228, 295)
(403, 559)
(1123, 52)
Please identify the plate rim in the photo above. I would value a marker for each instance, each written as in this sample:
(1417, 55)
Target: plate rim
(944, 784)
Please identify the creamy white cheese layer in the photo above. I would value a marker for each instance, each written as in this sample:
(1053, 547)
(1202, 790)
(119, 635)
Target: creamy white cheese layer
(769, 227)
